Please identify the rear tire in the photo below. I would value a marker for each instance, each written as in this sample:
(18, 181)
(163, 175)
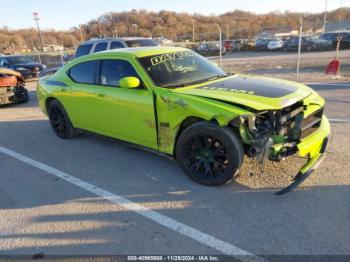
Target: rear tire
(209, 154)
(25, 96)
(60, 121)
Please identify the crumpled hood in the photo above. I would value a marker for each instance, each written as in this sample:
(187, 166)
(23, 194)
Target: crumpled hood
(259, 93)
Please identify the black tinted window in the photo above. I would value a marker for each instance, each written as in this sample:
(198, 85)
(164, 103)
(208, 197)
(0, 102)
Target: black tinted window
(83, 50)
(83, 72)
(141, 42)
(100, 47)
(114, 70)
(115, 45)
(345, 36)
(333, 37)
(3, 62)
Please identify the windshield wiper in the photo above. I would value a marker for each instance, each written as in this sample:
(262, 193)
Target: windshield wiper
(215, 77)
(207, 79)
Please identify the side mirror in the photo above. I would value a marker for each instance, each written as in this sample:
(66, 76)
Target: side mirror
(129, 82)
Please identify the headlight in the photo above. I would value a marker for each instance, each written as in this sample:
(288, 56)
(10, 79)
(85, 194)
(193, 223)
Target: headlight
(256, 123)
(21, 68)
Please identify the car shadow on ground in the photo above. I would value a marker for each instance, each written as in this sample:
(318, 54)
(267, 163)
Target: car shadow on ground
(113, 160)
(60, 218)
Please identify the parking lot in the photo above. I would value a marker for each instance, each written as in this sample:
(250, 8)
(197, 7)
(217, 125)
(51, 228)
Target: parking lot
(284, 64)
(95, 196)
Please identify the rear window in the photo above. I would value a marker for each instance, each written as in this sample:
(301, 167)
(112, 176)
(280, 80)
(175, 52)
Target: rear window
(83, 72)
(83, 50)
(116, 45)
(100, 47)
(140, 42)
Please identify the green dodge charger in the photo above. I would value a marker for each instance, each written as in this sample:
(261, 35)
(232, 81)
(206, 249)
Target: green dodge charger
(174, 101)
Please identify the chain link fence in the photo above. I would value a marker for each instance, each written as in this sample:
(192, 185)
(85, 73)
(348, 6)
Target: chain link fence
(306, 58)
(53, 58)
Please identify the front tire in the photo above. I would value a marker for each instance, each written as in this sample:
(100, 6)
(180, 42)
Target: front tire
(209, 154)
(60, 121)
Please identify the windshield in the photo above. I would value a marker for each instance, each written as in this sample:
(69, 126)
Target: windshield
(180, 69)
(19, 59)
(140, 42)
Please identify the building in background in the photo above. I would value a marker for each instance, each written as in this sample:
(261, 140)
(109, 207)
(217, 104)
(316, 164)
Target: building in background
(277, 32)
(13, 49)
(49, 48)
(338, 26)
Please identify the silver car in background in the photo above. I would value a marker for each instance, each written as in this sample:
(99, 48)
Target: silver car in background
(101, 44)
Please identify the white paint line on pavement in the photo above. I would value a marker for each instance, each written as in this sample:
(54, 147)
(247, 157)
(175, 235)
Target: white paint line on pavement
(150, 177)
(190, 232)
(338, 120)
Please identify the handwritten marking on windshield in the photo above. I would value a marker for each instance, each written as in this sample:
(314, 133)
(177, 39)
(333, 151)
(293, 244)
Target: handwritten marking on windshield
(171, 56)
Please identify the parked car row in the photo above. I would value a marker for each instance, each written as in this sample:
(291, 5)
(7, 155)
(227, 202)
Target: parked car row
(334, 37)
(307, 43)
(210, 49)
(327, 41)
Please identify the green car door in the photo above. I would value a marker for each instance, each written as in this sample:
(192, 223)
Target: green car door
(126, 114)
(79, 96)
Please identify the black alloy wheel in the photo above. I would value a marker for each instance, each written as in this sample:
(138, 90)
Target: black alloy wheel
(59, 120)
(207, 157)
(209, 154)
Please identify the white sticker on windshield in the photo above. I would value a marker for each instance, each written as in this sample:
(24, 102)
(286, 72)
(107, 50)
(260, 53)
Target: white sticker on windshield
(171, 56)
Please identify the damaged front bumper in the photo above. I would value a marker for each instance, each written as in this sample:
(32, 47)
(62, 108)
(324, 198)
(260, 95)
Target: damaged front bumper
(12, 95)
(314, 147)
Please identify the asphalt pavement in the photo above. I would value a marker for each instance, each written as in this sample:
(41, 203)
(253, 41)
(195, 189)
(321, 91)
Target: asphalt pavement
(95, 196)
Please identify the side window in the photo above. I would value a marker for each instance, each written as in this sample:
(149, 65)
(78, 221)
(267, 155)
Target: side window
(4, 62)
(83, 72)
(114, 70)
(116, 45)
(83, 50)
(100, 47)
(333, 37)
(328, 37)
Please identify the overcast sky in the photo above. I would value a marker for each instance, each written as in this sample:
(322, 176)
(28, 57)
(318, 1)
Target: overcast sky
(64, 14)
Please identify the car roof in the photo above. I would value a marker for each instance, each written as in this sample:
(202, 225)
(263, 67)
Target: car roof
(113, 39)
(140, 51)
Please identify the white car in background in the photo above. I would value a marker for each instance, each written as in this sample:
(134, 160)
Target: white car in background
(275, 44)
